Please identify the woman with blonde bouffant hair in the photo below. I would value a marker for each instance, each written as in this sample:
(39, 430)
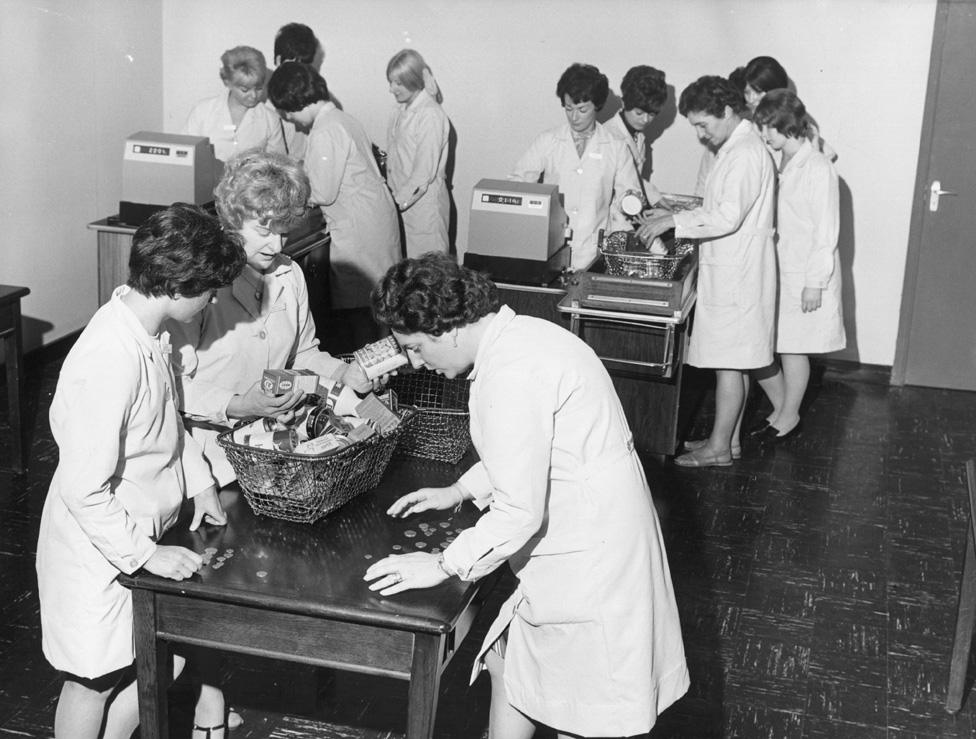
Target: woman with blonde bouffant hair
(417, 154)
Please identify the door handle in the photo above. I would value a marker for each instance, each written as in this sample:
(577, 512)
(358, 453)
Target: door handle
(936, 192)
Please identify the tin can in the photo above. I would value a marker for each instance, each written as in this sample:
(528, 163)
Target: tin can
(322, 420)
(282, 441)
(262, 425)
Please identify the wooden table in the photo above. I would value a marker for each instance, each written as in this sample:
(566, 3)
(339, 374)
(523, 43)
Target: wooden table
(295, 592)
(13, 349)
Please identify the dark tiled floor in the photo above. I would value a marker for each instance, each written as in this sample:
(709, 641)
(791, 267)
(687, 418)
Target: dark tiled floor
(816, 582)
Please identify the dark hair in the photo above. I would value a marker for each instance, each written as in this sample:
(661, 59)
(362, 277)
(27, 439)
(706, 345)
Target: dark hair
(764, 74)
(737, 77)
(294, 86)
(710, 95)
(295, 42)
(263, 185)
(182, 250)
(784, 111)
(583, 83)
(432, 294)
(644, 87)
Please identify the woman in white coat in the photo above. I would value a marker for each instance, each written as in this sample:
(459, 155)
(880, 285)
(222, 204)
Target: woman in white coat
(589, 644)
(735, 314)
(416, 157)
(236, 121)
(592, 168)
(347, 184)
(261, 321)
(810, 315)
(124, 469)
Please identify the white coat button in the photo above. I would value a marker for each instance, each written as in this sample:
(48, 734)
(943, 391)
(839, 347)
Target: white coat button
(263, 334)
(579, 171)
(133, 563)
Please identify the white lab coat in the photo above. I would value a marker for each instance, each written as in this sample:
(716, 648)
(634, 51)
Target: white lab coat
(593, 639)
(121, 478)
(357, 205)
(808, 221)
(591, 185)
(640, 150)
(225, 349)
(294, 141)
(416, 164)
(734, 325)
(258, 129)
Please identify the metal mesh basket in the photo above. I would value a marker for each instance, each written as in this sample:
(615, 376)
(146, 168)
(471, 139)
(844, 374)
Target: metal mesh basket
(626, 256)
(680, 202)
(303, 488)
(441, 430)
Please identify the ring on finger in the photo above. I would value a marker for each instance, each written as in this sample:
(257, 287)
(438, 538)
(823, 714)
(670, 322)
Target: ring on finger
(397, 578)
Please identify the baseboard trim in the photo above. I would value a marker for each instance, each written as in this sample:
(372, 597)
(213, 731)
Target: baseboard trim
(849, 371)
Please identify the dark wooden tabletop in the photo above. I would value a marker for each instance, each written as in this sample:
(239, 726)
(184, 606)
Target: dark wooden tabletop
(317, 569)
(10, 293)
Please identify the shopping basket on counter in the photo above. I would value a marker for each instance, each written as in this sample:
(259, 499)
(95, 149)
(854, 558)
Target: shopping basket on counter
(441, 430)
(626, 256)
(304, 488)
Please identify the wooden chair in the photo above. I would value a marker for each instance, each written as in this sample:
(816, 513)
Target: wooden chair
(966, 616)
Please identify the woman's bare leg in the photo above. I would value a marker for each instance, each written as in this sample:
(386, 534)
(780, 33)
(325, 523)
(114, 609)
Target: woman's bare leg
(80, 711)
(504, 720)
(796, 376)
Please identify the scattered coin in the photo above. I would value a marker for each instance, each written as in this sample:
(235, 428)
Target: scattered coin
(261, 573)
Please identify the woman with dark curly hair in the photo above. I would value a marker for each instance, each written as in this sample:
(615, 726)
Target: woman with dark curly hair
(589, 643)
(261, 321)
(592, 168)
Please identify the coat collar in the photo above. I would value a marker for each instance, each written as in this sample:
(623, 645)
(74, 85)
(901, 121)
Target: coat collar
(600, 136)
(801, 157)
(499, 323)
(149, 345)
(243, 290)
(743, 130)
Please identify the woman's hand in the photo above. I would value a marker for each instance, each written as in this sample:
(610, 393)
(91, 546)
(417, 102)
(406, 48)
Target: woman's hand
(653, 226)
(400, 572)
(175, 563)
(207, 509)
(256, 402)
(811, 299)
(355, 377)
(426, 499)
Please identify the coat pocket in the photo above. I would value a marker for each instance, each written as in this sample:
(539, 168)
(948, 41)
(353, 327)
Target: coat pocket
(557, 589)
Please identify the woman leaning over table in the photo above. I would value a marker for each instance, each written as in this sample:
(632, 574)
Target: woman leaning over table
(259, 322)
(589, 644)
(416, 159)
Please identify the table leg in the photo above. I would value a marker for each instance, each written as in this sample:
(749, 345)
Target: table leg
(425, 680)
(13, 350)
(152, 668)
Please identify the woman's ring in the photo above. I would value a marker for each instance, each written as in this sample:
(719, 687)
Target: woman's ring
(397, 578)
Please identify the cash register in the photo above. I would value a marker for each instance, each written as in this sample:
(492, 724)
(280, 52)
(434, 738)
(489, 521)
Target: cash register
(517, 232)
(159, 169)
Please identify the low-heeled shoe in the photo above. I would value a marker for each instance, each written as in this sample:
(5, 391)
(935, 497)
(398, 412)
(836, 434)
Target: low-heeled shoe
(758, 428)
(772, 435)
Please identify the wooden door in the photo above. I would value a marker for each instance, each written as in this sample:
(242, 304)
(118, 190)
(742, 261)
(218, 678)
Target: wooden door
(937, 333)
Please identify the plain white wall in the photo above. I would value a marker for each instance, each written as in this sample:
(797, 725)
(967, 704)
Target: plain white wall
(860, 65)
(77, 77)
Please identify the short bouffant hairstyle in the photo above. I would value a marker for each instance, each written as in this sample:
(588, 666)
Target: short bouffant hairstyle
(294, 86)
(432, 294)
(262, 185)
(710, 95)
(245, 62)
(182, 251)
(584, 83)
(295, 42)
(784, 111)
(645, 88)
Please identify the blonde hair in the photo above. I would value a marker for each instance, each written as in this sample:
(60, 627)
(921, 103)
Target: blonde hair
(408, 68)
(262, 185)
(243, 61)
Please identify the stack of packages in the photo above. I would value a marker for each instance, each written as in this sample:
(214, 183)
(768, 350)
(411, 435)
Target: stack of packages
(333, 417)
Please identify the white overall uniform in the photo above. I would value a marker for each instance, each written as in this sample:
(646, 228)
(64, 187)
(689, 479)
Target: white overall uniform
(121, 478)
(593, 639)
(591, 185)
(808, 221)
(735, 315)
(227, 347)
(356, 203)
(416, 163)
(258, 129)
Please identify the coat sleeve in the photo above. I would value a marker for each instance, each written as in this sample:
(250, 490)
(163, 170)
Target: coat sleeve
(276, 137)
(200, 398)
(325, 162)
(824, 199)
(531, 166)
(737, 192)
(516, 450)
(90, 415)
(196, 122)
(426, 137)
(625, 178)
(704, 167)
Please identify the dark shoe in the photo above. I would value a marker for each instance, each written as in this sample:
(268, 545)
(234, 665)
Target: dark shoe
(757, 428)
(772, 435)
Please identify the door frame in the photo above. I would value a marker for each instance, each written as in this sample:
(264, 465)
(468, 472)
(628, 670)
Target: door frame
(923, 175)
